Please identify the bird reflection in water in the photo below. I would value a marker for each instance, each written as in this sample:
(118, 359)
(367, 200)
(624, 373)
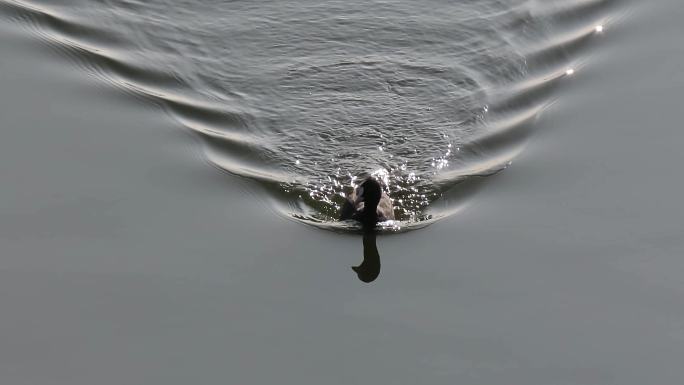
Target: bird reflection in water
(369, 269)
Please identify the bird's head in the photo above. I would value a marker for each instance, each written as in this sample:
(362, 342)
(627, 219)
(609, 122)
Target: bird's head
(369, 192)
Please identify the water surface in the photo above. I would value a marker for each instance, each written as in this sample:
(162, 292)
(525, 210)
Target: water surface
(307, 97)
(126, 257)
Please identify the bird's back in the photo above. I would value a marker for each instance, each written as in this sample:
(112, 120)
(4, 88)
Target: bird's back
(385, 209)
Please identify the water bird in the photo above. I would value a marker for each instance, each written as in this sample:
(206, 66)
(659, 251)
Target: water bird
(368, 204)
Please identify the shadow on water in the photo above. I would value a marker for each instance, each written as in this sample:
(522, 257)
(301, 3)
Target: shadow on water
(369, 269)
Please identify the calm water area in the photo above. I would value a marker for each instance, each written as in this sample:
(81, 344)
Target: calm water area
(170, 172)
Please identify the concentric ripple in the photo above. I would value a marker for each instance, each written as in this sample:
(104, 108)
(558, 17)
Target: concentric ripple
(308, 96)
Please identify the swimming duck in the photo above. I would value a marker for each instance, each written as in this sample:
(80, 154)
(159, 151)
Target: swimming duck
(368, 204)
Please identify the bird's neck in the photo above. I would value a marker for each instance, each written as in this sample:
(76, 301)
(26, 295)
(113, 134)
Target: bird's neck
(370, 213)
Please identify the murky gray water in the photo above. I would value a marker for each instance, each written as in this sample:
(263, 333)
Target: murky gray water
(308, 96)
(128, 256)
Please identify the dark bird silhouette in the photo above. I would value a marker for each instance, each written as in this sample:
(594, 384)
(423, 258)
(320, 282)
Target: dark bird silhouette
(369, 205)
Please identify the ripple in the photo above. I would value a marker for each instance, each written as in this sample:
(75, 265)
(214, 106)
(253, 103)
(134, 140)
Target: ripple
(307, 98)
